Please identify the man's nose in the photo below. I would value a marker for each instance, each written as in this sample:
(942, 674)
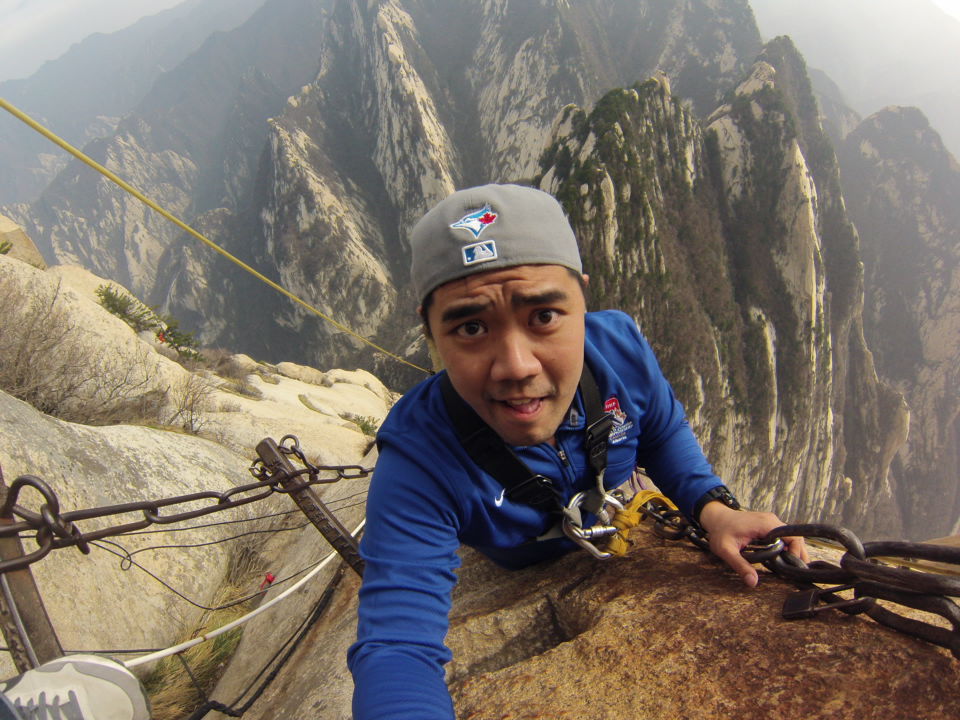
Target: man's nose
(515, 358)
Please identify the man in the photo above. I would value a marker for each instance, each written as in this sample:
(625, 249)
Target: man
(499, 277)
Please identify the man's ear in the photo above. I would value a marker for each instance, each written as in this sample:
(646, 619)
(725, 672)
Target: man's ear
(435, 360)
(586, 279)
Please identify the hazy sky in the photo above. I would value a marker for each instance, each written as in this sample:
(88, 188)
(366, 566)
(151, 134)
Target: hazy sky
(33, 31)
(950, 6)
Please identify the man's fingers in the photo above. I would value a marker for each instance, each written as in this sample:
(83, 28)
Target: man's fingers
(797, 546)
(730, 554)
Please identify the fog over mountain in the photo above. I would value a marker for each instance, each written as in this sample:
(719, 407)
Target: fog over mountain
(692, 159)
(37, 31)
(879, 52)
(83, 94)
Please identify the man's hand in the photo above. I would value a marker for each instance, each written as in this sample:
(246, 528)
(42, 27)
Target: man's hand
(729, 531)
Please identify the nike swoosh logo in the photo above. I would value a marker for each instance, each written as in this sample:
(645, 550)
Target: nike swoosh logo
(499, 501)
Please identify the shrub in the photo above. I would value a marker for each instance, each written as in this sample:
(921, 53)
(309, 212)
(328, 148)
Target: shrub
(243, 387)
(5, 247)
(182, 341)
(126, 307)
(222, 363)
(46, 362)
(189, 400)
(143, 317)
(368, 425)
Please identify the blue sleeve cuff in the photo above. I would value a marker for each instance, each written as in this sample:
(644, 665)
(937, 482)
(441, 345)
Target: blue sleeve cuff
(398, 686)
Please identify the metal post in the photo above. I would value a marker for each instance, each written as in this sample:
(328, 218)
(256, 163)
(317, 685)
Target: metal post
(23, 619)
(328, 525)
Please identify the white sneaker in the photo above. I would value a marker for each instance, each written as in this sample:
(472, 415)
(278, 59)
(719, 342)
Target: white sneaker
(78, 687)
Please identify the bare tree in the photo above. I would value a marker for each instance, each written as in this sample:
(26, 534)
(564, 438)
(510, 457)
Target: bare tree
(48, 362)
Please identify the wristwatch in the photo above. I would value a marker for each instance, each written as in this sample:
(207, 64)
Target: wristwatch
(721, 493)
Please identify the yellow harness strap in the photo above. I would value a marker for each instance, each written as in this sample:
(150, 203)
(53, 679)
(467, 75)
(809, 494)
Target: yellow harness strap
(631, 516)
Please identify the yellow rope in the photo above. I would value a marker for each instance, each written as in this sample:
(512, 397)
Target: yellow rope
(20, 115)
(631, 516)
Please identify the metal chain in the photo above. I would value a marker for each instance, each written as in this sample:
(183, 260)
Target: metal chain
(858, 571)
(55, 529)
(868, 579)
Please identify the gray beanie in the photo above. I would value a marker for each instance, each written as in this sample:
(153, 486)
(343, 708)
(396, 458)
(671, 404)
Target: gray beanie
(488, 228)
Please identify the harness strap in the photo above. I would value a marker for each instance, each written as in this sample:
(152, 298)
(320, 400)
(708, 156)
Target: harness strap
(494, 456)
(599, 425)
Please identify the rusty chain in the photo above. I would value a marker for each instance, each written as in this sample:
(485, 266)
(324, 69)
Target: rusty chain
(55, 529)
(858, 571)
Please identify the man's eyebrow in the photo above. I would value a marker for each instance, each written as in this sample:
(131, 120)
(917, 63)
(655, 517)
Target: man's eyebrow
(459, 312)
(548, 297)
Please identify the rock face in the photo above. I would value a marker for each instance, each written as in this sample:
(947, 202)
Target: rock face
(93, 603)
(725, 235)
(732, 249)
(413, 97)
(316, 683)
(662, 632)
(665, 632)
(15, 244)
(191, 143)
(238, 408)
(904, 195)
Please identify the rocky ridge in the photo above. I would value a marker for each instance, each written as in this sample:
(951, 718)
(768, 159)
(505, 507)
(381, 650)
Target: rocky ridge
(192, 143)
(760, 339)
(92, 601)
(403, 108)
(84, 94)
(436, 108)
(904, 194)
(18, 245)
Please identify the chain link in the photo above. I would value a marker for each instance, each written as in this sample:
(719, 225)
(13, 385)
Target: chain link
(858, 571)
(55, 529)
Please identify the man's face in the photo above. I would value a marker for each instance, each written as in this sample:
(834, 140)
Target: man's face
(512, 342)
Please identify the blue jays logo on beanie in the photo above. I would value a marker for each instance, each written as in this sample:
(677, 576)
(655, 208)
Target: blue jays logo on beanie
(475, 223)
(519, 226)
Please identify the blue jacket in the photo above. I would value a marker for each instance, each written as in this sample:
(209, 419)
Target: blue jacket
(427, 497)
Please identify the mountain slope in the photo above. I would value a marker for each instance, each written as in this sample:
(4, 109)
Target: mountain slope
(732, 250)
(880, 52)
(726, 235)
(192, 144)
(412, 98)
(903, 191)
(404, 110)
(82, 94)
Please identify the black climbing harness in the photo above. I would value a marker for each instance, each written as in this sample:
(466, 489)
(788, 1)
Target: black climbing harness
(522, 485)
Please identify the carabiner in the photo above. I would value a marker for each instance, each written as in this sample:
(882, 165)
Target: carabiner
(758, 552)
(583, 536)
